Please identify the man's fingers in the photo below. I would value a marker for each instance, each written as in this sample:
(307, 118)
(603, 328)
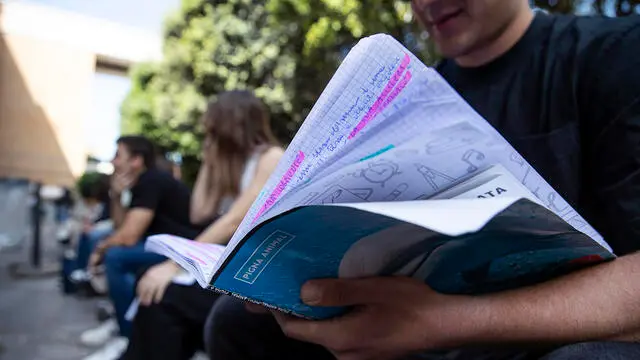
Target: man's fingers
(332, 334)
(342, 292)
(159, 293)
(144, 298)
(144, 293)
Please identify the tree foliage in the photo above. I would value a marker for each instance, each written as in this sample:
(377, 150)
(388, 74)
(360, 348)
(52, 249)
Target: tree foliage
(285, 50)
(209, 47)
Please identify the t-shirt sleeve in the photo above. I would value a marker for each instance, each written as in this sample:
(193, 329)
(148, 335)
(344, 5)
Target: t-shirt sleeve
(612, 163)
(146, 193)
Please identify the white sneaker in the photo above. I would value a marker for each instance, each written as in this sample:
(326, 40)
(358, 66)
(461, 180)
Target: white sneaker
(113, 350)
(100, 335)
(200, 356)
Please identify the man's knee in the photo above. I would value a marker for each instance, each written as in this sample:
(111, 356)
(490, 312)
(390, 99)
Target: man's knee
(224, 321)
(596, 350)
(96, 235)
(225, 311)
(114, 256)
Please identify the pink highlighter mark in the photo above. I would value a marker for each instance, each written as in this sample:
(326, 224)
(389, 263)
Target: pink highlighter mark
(379, 104)
(190, 255)
(394, 94)
(286, 179)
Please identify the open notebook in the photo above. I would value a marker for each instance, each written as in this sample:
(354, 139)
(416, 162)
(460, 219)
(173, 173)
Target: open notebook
(389, 151)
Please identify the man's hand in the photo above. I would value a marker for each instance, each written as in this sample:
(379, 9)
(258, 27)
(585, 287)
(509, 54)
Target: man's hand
(121, 182)
(97, 256)
(154, 282)
(391, 318)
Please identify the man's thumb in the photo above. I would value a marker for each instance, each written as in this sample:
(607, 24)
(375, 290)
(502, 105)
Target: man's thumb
(338, 292)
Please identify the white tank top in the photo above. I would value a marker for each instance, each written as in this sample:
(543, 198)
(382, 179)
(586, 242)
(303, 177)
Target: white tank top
(246, 179)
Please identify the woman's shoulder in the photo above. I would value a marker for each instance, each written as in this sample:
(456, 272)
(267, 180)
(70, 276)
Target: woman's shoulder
(271, 153)
(269, 157)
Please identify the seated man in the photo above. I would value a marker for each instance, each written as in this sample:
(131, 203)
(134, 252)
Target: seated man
(144, 202)
(564, 91)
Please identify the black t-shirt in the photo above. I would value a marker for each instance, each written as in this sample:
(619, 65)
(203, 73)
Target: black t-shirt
(567, 98)
(169, 199)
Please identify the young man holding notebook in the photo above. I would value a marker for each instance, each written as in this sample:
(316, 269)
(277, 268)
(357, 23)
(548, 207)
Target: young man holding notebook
(563, 91)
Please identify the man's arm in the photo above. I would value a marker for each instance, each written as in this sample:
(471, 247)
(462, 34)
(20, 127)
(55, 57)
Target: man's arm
(145, 196)
(133, 227)
(119, 184)
(602, 302)
(392, 317)
(117, 211)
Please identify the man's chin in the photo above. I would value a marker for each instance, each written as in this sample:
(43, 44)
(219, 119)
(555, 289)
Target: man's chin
(454, 46)
(450, 49)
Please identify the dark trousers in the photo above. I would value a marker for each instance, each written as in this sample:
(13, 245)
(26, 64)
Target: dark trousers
(172, 329)
(232, 333)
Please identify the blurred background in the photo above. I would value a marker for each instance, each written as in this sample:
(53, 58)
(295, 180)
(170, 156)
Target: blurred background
(77, 74)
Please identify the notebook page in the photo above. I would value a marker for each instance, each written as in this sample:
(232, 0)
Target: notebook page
(394, 131)
(347, 94)
(196, 258)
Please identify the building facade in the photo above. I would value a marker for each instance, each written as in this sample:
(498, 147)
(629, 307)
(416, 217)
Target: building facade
(48, 60)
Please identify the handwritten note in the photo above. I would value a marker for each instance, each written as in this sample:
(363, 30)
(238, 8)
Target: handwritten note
(275, 194)
(381, 102)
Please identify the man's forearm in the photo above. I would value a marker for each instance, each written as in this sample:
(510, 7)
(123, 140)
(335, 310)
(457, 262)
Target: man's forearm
(602, 302)
(117, 211)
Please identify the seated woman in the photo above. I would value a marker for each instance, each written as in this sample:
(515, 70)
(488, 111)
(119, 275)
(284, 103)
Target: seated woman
(239, 155)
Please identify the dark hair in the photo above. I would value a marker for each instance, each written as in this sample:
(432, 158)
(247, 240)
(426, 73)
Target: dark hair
(93, 185)
(236, 125)
(140, 146)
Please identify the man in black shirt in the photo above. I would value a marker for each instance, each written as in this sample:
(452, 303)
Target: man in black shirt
(144, 202)
(563, 91)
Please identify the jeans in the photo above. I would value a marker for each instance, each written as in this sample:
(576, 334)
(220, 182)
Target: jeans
(122, 265)
(87, 243)
(232, 333)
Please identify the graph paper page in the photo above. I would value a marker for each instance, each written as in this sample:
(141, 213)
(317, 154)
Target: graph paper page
(388, 128)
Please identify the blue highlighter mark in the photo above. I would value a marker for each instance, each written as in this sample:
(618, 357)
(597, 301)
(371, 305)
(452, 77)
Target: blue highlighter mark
(383, 150)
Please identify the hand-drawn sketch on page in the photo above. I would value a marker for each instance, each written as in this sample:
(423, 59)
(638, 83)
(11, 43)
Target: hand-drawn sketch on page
(362, 193)
(395, 194)
(454, 137)
(470, 156)
(436, 179)
(308, 199)
(337, 194)
(379, 172)
(556, 204)
(516, 158)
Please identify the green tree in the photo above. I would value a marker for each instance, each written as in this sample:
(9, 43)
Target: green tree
(321, 32)
(209, 47)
